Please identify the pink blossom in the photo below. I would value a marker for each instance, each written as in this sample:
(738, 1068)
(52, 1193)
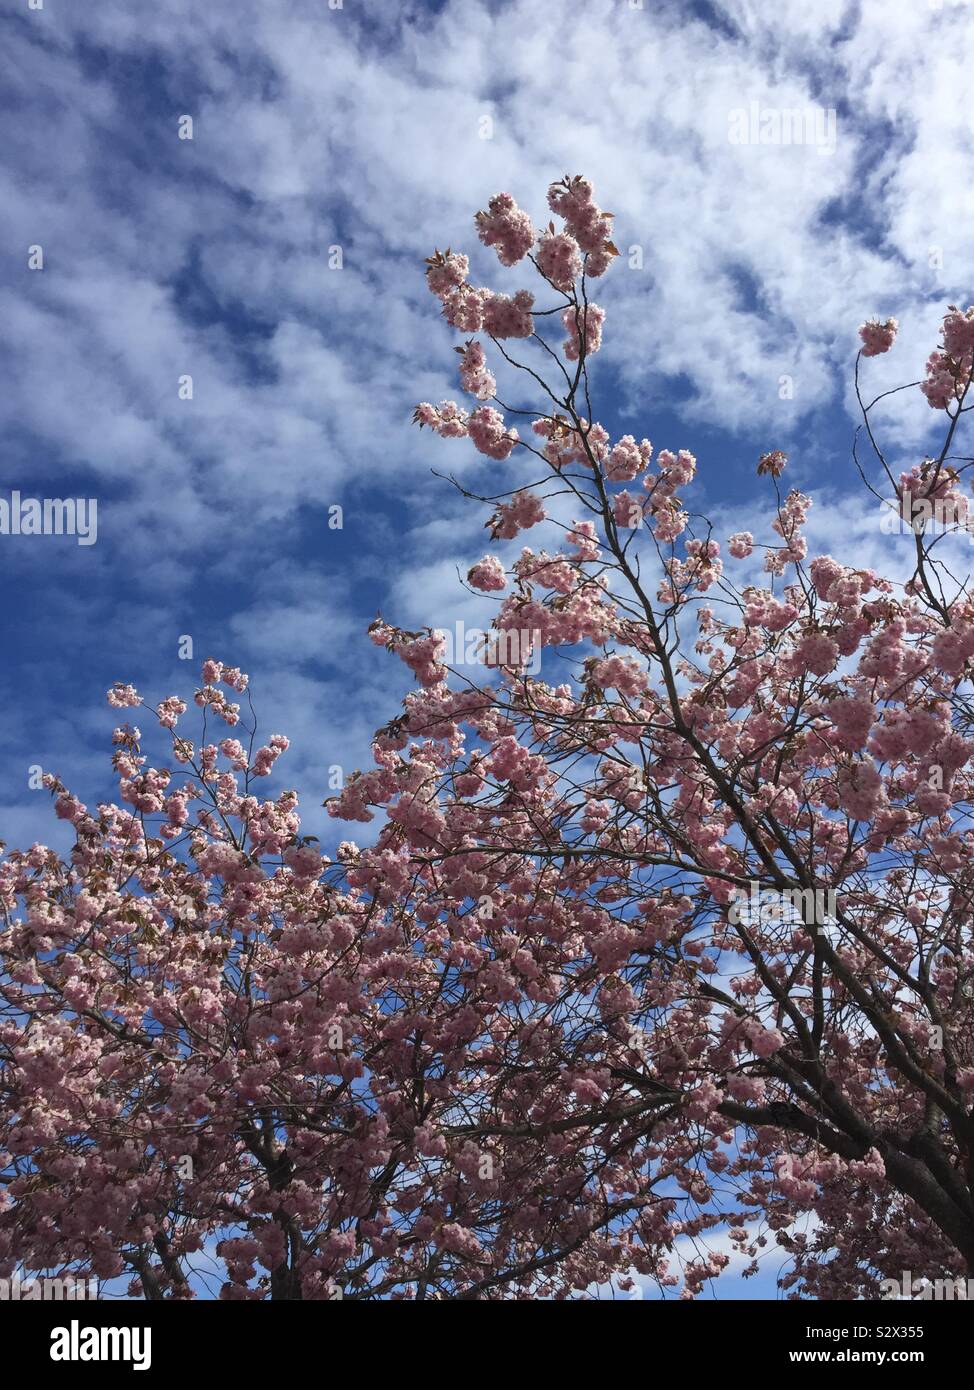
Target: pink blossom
(583, 324)
(627, 459)
(486, 428)
(445, 273)
(474, 375)
(121, 696)
(741, 545)
(772, 464)
(559, 259)
(817, 652)
(877, 337)
(505, 226)
(488, 575)
(522, 512)
(508, 317)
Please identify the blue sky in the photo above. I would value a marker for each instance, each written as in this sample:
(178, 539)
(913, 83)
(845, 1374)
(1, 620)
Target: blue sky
(362, 127)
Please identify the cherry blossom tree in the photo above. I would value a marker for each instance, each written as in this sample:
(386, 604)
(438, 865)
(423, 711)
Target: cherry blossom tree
(664, 931)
